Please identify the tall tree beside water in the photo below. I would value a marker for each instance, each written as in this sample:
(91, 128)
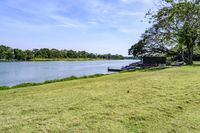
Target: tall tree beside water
(175, 24)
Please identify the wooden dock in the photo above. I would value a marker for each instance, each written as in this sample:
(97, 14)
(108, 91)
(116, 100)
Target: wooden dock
(114, 70)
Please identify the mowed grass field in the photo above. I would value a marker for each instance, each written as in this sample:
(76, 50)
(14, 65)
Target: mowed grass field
(151, 101)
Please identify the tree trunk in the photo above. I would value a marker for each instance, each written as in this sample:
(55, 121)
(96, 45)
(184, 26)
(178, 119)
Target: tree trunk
(182, 55)
(190, 55)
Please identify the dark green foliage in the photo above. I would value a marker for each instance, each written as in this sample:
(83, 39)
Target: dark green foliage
(150, 45)
(7, 53)
(60, 80)
(138, 49)
(4, 87)
(176, 24)
(25, 85)
(196, 53)
(29, 54)
(178, 54)
(19, 54)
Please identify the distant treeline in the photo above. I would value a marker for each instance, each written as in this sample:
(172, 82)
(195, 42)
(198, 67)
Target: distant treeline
(8, 53)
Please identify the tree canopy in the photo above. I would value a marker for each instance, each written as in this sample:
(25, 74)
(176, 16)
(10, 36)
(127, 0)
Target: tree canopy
(176, 23)
(8, 53)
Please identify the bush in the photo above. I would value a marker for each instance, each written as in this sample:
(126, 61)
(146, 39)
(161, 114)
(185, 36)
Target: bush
(4, 87)
(26, 85)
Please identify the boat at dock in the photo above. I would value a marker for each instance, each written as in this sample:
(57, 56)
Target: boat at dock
(114, 70)
(130, 67)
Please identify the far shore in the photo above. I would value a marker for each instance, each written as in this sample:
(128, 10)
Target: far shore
(59, 59)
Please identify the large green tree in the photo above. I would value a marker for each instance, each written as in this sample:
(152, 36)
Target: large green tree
(175, 24)
(6, 53)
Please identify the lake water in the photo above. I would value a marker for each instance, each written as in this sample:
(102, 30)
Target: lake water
(12, 73)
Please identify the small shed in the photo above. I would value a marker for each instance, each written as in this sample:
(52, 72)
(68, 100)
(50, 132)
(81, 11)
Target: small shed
(153, 61)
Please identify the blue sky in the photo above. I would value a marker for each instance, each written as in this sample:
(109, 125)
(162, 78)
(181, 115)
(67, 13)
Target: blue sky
(98, 26)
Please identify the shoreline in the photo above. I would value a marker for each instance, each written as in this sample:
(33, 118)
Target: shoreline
(145, 100)
(62, 59)
(28, 84)
(56, 79)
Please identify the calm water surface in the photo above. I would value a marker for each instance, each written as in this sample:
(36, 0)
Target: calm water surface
(12, 73)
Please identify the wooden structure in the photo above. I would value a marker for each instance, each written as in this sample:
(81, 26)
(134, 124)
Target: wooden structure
(114, 70)
(145, 62)
(153, 61)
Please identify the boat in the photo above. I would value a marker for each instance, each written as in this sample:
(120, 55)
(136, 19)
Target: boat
(114, 70)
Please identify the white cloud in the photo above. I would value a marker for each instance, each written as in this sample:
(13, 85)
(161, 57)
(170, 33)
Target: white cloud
(88, 20)
(142, 1)
(131, 13)
(66, 22)
(127, 30)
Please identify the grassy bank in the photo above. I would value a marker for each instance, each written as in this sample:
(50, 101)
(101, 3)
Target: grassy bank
(150, 101)
(29, 84)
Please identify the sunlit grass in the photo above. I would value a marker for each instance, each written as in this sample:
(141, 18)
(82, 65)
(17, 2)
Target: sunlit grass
(28, 84)
(157, 101)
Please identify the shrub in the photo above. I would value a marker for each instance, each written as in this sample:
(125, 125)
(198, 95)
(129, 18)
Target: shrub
(4, 87)
(26, 85)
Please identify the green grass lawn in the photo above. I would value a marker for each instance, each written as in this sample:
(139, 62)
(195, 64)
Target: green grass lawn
(153, 101)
